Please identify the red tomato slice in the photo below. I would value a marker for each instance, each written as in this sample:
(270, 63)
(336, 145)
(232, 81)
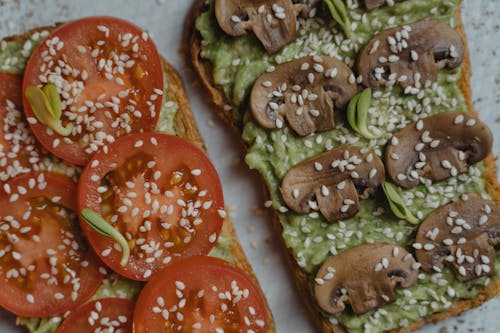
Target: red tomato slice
(161, 193)
(45, 268)
(109, 76)
(19, 152)
(103, 315)
(200, 294)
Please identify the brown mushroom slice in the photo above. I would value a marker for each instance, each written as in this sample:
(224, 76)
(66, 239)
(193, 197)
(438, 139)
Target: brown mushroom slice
(463, 235)
(371, 4)
(274, 23)
(410, 55)
(365, 277)
(436, 148)
(333, 182)
(305, 91)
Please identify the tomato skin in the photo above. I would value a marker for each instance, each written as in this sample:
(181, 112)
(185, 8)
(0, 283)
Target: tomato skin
(18, 148)
(199, 273)
(112, 308)
(169, 153)
(85, 32)
(14, 297)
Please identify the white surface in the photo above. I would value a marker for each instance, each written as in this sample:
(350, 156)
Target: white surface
(242, 187)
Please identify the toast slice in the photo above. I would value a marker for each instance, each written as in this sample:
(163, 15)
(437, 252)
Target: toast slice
(203, 68)
(184, 126)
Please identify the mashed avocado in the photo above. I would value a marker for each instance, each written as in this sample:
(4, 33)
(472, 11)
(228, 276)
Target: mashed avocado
(238, 62)
(13, 58)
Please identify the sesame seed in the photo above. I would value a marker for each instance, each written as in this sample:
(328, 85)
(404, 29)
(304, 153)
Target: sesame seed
(30, 298)
(180, 285)
(471, 122)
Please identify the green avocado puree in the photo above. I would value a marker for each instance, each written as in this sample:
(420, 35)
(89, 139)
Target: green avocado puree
(13, 58)
(238, 62)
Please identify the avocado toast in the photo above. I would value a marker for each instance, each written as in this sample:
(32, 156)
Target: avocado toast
(228, 67)
(175, 119)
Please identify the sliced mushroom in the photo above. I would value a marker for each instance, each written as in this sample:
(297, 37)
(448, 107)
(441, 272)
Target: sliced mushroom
(305, 91)
(410, 55)
(365, 277)
(307, 8)
(333, 182)
(274, 23)
(436, 148)
(463, 235)
(371, 4)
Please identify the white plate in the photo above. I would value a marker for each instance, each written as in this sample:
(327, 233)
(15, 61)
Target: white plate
(242, 188)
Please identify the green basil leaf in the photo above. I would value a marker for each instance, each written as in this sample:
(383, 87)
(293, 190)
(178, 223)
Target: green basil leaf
(54, 100)
(351, 113)
(46, 105)
(357, 113)
(339, 13)
(397, 205)
(103, 227)
(39, 104)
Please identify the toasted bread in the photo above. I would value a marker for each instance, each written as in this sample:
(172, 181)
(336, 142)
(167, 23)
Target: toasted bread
(186, 128)
(192, 47)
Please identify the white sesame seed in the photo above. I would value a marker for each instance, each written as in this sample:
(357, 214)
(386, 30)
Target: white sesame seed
(30, 298)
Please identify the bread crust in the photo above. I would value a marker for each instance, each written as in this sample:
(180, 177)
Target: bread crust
(186, 128)
(192, 54)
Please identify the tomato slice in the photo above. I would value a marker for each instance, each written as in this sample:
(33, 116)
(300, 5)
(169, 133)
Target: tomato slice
(103, 315)
(161, 193)
(200, 294)
(19, 152)
(45, 267)
(109, 76)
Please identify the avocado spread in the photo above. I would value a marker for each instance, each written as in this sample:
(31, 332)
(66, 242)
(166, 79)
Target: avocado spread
(238, 62)
(14, 56)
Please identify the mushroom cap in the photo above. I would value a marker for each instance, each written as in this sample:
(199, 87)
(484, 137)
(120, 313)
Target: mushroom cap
(410, 55)
(463, 235)
(332, 180)
(371, 4)
(274, 23)
(436, 148)
(305, 91)
(364, 276)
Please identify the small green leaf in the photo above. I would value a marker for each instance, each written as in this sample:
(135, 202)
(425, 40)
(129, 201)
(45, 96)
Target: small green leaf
(46, 105)
(339, 13)
(103, 227)
(39, 103)
(357, 113)
(351, 113)
(54, 99)
(397, 205)
(59, 128)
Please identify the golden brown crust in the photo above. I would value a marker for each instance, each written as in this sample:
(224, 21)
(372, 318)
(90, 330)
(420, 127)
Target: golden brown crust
(185, 127)
(192, 50)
